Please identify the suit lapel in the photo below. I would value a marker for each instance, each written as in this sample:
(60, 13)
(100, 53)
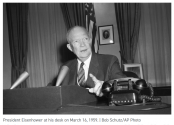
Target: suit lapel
(73, 73)
(93, 69)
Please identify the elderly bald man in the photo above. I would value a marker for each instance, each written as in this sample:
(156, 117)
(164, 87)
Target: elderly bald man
(89, 70)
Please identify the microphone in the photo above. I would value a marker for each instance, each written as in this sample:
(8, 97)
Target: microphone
(64, 70)
(21, 78)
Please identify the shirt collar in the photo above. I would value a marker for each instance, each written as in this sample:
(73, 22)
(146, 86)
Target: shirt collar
(86, 62)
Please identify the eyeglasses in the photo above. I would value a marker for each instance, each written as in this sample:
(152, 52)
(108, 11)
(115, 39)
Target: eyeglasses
(78, 41)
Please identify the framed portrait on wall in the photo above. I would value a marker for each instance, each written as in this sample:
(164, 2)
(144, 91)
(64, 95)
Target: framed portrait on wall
(106, 34)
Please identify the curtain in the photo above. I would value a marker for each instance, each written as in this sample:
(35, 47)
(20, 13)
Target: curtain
(17, 14)
(74, 14)
(47, 37)
(154, 47)
(128, 21)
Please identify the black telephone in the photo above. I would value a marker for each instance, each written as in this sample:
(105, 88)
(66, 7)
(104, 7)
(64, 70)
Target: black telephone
(128, 90)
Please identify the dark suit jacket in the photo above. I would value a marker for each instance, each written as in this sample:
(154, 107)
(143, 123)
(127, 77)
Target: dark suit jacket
(103, 67)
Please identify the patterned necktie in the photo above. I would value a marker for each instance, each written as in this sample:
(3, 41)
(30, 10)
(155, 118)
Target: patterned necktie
(81, 75)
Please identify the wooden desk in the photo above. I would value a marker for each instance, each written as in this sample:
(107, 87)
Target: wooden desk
(68, 100)
(88, 109)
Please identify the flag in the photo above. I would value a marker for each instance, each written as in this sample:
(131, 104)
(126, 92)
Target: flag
(91, 24)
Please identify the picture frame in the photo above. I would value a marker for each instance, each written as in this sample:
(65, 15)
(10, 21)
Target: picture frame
(136, 68)
(106, 34)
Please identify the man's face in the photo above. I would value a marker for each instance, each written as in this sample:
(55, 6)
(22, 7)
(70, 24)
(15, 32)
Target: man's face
(80, 44)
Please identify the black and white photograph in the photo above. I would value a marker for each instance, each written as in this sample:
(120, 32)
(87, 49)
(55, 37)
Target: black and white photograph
(106, 34)
(90, 62)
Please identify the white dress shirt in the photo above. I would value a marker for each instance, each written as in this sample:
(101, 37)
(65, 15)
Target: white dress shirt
(85, 67)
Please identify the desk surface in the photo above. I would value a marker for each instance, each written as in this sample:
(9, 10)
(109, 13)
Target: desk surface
(48, 100)
(156, 108)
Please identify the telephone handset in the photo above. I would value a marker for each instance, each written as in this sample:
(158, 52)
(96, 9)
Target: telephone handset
(128, 90)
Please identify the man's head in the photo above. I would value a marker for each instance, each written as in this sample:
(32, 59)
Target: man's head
(79, 42)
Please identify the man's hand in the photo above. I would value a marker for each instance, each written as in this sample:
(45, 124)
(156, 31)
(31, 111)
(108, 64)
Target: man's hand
(98, 86)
